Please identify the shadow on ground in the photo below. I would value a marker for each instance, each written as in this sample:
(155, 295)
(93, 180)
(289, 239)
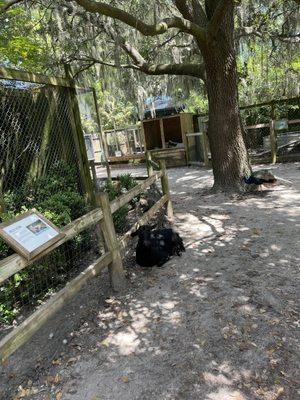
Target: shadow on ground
(219, 323)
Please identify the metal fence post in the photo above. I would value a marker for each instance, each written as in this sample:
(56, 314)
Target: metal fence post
(116, 271)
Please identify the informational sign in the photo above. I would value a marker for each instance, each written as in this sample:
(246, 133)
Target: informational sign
(89, 147)
(281, 124)
(30, 233)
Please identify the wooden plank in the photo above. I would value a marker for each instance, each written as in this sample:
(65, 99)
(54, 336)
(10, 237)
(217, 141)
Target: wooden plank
(94, 173)
(148, 163)
(162, 133)
(293, 121)
(205, 146)
(273, 142)
(197, 163)
(125, 198)
(20, 335)
(193, 134)
(285, 158)
(154, 164)
(165, 188)
(163, 153)
(78, 136)
(269, 103)
(167, 117)
(14, 263)
(126, 158)
(116, 270)
(145, 218)
(186, 123)
(104, 148)
(257, 126)
(12, 74)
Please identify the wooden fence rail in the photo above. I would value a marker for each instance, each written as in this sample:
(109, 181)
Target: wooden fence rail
(111, 259)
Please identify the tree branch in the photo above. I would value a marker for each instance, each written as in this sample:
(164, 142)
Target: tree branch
(216, 20)
(8, 4)
(182, 24)
(194, 70)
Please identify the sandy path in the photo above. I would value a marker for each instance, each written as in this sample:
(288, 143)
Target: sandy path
(219, 323)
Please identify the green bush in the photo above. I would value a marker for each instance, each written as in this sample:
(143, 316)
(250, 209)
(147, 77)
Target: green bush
(124, 183)
(58, 197)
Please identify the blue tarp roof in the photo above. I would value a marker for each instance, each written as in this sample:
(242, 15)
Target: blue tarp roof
(159, 102)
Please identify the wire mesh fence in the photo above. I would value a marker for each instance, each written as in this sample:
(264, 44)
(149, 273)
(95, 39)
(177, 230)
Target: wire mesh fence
(39, 166)
(286, 117)
(32, 286)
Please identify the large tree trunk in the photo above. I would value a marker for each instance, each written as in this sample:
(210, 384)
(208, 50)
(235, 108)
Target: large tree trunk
(225, 132)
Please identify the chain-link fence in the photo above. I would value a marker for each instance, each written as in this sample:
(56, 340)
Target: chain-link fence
(40, 168)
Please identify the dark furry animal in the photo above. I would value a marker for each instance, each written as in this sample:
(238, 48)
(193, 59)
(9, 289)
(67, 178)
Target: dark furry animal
(261, 177)
(155, 247)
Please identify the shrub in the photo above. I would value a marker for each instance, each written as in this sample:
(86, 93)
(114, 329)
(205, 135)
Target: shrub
(58, 197)
(124, 183)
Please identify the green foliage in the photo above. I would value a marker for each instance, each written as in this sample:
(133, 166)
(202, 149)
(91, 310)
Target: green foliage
(57, 196)
(20, 43)
(124, 183)
(196, 103)
(114, 111)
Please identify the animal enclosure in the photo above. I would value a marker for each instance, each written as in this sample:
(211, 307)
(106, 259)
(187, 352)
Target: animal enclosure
(44, 166)
(272, 132)
(166, 137)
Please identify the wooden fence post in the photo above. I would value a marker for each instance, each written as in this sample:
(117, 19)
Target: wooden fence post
(116, 271)
(273, 142)
(79, 138)
(102, 140)
(94, 173)
(165, 188)
(205, 149)
(148, 163)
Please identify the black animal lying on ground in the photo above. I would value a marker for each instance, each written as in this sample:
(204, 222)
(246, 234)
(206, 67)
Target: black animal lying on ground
(155, 247)
(261, 177)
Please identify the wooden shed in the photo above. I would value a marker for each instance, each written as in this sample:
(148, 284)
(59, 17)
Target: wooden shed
(166, 137)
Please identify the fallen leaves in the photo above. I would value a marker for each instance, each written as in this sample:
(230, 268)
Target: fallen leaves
(26, 392)
(256, 231)
(58, 396)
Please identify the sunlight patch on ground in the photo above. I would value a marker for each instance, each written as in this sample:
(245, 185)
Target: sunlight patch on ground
(219, 379)
(127, 342)
(225, 394)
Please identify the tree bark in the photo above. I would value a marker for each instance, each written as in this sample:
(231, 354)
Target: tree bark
(225, 132)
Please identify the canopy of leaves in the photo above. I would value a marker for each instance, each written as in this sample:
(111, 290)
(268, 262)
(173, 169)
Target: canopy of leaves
(39, 36)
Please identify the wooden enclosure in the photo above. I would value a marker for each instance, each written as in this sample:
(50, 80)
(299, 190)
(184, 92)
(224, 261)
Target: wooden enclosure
(123, 144)
(162, 134)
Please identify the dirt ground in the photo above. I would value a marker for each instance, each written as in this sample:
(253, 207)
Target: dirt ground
(220, 323)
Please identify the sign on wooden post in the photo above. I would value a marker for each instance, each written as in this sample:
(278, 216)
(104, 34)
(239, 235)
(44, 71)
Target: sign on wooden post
(30, 234)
